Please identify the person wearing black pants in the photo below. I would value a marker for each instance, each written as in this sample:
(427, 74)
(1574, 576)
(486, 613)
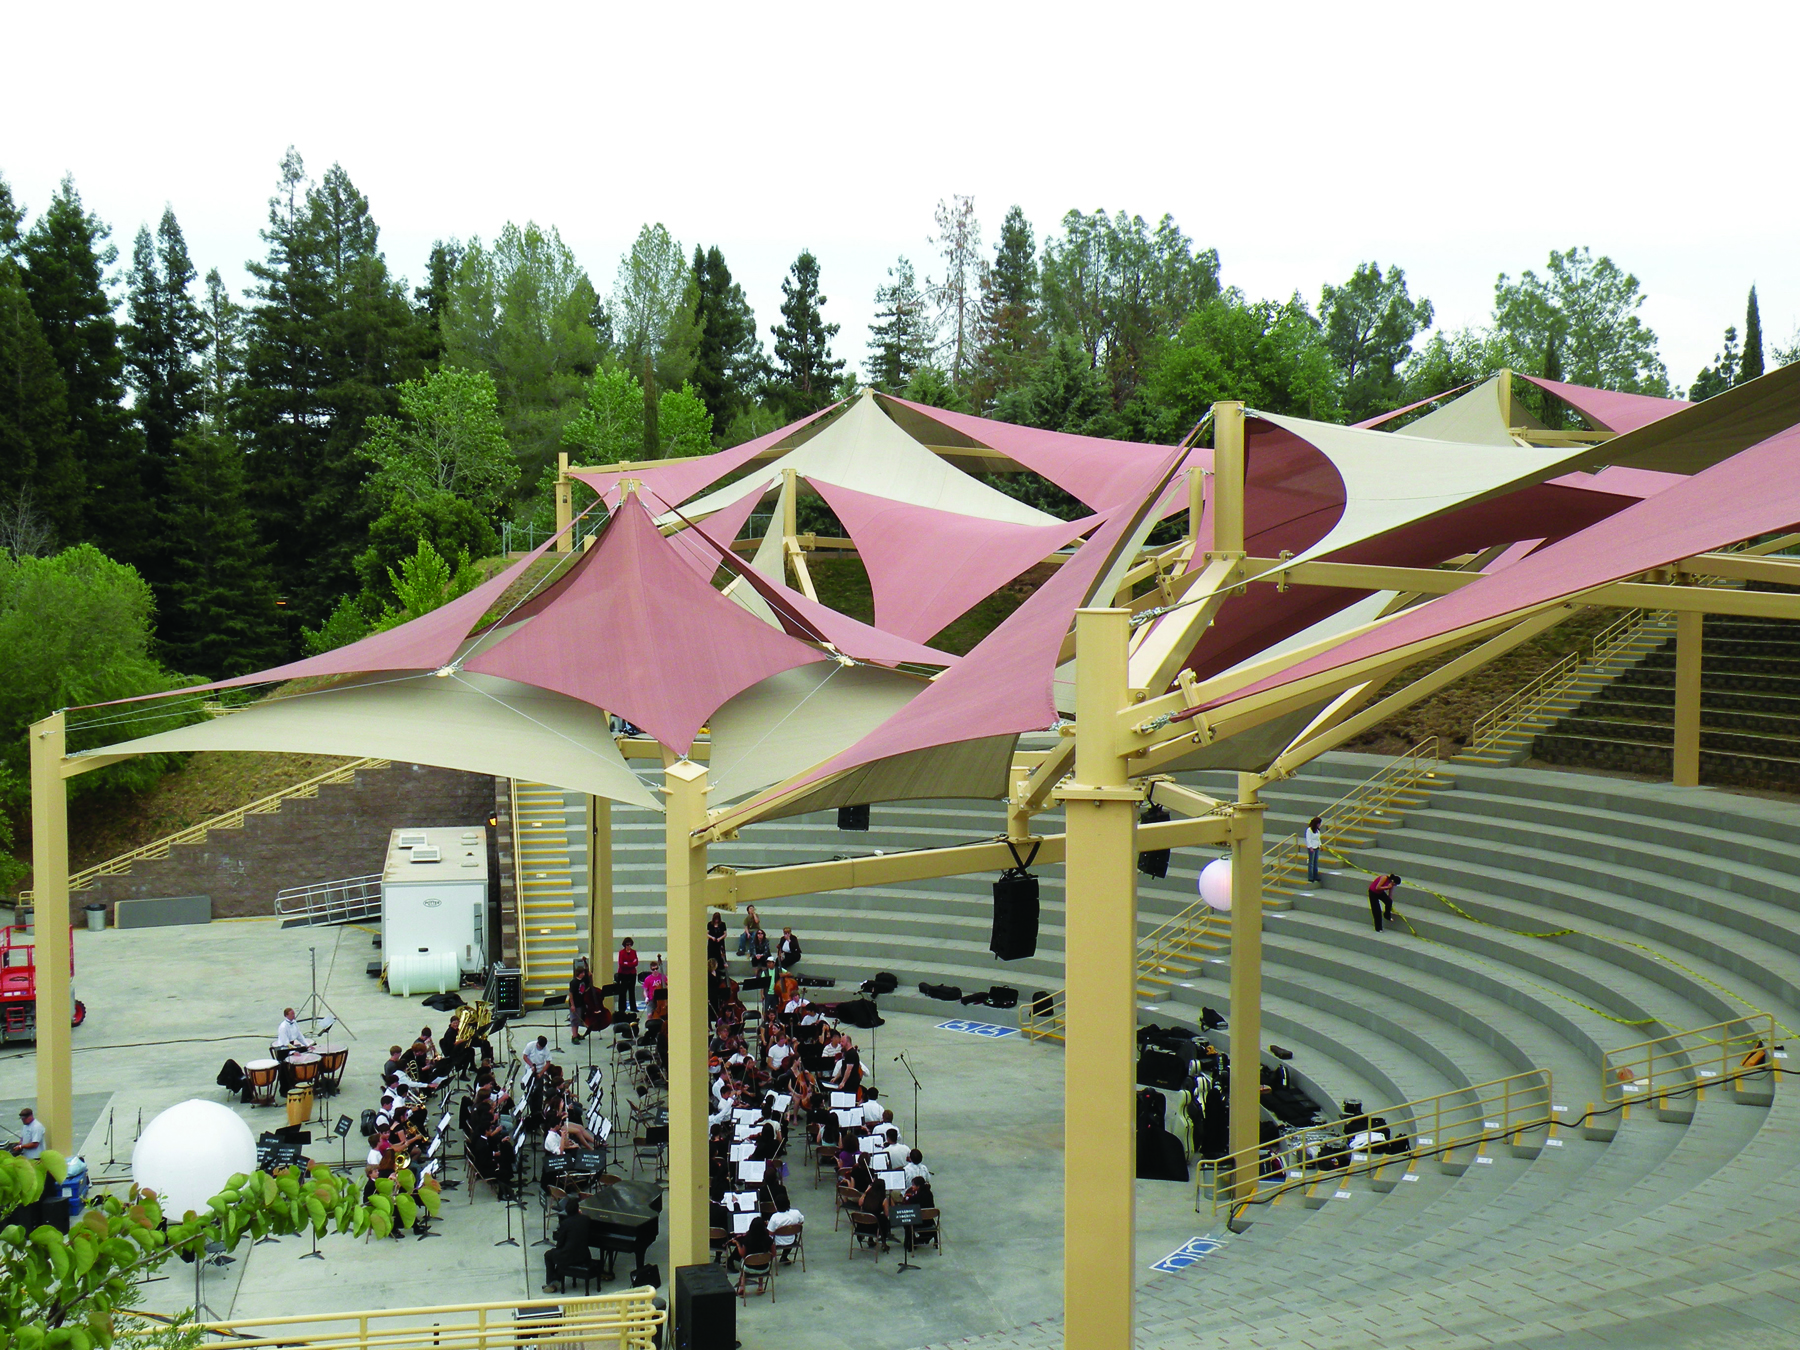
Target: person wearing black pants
(1381, 897)
(571, 1246)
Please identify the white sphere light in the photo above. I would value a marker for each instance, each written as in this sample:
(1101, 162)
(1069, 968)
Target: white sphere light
(188, 1153)
(1215, 884)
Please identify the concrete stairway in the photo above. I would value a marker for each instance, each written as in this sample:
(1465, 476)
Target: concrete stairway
(1749, 710)
(552, 886)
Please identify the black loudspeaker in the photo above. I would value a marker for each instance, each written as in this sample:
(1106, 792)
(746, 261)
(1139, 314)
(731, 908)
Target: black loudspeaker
(1160, 1069)
(1041, 1003)
(1015, 915)
(1155, 862)
(853, 817)
(705, 1308)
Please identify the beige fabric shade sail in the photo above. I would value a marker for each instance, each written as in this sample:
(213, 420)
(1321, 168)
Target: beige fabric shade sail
(476, 723)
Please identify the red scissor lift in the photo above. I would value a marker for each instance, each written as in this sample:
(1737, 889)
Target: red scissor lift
(18, 987)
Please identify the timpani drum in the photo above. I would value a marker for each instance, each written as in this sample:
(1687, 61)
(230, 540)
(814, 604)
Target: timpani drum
(300, 1104)
(331, 1068)
(262, 1074)
(304, 1067)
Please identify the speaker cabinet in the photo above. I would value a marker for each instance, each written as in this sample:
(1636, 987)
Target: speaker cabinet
(505, 990)
(1015, 915)
(705, 1308)
(853, 817)
(1154, 862)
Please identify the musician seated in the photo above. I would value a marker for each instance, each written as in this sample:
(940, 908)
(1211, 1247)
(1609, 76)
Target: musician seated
(754, 1241)
(915, 1169)
(874, 1114)
(786, 1217)
(537, 1054)
(897, 1153)
(396, 1061)
(767, 1140)
(873, 1201)
(571, 1249)
(288, 1036)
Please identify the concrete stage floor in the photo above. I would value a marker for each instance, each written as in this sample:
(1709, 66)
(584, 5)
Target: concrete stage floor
(167, 1006)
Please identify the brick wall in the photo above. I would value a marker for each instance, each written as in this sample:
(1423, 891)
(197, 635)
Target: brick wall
(342, 832)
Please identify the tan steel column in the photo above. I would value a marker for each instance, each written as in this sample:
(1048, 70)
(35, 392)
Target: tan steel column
(1246, 974)
(1196, 503)
(1099, 1063)
(600, 890)
(1689, 631)
(50, 884)
(1228, 477)
(684, 785)
(565, 502)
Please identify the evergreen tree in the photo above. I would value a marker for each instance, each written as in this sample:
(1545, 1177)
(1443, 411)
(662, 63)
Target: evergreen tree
(1721, 374)
(218, 612)
(1370, 323)
(65, 256)
(1062, 392)
(1009, 328)
(655, 305)
(959, 245)
(1750, 365)
(805, 371)
(327, 344)
(164, 339)
(39, 478)
(729, 365)
(903, 335)
(431, 298)
(222, 365)
(12, 221)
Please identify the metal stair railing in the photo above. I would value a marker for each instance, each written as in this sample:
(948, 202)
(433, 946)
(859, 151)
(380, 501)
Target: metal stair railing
(230, 820)
(1284, 866)
(327, 902)
(1682, 1060)
(1554, 684)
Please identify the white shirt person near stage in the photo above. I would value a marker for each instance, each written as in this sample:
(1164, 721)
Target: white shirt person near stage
(288, 1035)
(31, 1137)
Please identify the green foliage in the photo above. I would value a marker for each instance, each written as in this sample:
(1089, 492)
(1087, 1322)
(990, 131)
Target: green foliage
(523, 311)
(654, 311)
(903, 334)
(610, 428)
(219, 612)
(426, 581)
(1271, 355)
(330, 338)
(1751, 365)
(447, 439)
(346, 623)
(37, 453)
(1585, 309)
(446, 523)
(729, 365)
(1009, 327)
(1062, 392)
(1721, 374)
(931, 386)
(1123, 290)
(805, 371)
(1447, 360)
(222, 364)
(61, 1291)
(1370, 323)
(163, 341)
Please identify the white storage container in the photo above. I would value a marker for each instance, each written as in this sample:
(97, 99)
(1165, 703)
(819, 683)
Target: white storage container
(434, 908)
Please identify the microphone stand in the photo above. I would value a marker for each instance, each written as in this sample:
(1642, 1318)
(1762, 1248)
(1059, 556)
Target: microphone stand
(902, 1061)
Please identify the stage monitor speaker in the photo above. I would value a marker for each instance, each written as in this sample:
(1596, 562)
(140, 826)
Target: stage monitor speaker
(853, 817)
(705, 1308)
(1015, 915)
(1154, 862)
(505, 991)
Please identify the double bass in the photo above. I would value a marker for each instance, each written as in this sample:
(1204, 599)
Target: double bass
(595, 1015)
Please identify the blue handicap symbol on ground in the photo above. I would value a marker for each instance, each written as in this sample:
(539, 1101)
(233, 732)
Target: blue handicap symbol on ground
(987, 1029)
(1187, 1254)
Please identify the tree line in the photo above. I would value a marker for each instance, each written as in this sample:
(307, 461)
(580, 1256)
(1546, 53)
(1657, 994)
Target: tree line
(332, 450)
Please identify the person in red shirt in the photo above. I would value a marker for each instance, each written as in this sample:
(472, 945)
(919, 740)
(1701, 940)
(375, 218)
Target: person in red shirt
(1381, 897)
(628, 964)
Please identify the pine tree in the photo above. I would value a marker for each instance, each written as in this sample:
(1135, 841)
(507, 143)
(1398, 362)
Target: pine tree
(327, 344)
(728, 363)
(1750, 365)
(12, 221)
(223, 364)
(805, 371)
(219, 616)
(65, 256)
(1009, 329)
(38, 472)
(959, 245)
(1719, 376)
(903, 334)
(431, 298)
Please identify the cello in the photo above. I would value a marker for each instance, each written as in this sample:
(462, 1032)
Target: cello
(595, 1015)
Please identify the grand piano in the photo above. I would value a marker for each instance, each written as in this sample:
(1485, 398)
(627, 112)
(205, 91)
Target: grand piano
(623, 1217)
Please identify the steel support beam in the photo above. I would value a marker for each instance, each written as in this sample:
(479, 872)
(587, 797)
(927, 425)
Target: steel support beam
(50, 882)
(565, 503)
(1100, 885)
(1689, 630)
(1245, 1104)
(1228, 477)
(684, 786)
(600, 889)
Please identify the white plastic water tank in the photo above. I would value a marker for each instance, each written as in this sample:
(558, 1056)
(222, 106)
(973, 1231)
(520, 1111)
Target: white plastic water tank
(421, 972)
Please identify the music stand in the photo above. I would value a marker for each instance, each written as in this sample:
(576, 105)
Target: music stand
(908, 1215)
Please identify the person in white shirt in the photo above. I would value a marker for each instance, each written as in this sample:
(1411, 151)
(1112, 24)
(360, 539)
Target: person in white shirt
(779, 1054)
(784, 1242)
(915, 1167)
(288, 1035)
(553, 1140)
(537, 1055)
(1313, 840)
(873, 1112)
(31, 1136)
(898, 1154)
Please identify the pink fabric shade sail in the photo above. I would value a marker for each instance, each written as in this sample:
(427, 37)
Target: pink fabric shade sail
(1607, 410)
(634, 631)
(673, 483)
(927, 566)
(720, 529)
(1100, 472)
(1755, 492)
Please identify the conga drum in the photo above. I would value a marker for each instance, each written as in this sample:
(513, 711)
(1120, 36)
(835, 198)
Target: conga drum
(300, 1104)
(331, 1068)
(262, 1074)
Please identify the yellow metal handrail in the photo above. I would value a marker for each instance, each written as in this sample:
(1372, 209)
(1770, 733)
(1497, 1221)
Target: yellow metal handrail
(1552, 684)
(1682, 1060)
(1501, 1109)
(518, 890)
(230, 820)
(1285, 863)
(628, 1320)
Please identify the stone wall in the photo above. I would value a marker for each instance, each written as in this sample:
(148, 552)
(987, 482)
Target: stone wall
(342, 832)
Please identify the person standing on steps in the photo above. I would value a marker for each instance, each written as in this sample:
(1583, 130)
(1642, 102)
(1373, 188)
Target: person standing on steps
(1381, 897)
(628, 964)
(1313, 841)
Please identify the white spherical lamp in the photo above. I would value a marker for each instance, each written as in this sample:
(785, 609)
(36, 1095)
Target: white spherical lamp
(1215, 884)
(188, 1153)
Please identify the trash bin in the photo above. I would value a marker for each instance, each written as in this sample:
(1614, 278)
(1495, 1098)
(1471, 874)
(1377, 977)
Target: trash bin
(96, 917)
(74, 1187)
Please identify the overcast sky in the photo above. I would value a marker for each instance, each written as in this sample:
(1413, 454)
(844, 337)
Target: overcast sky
(1458, 141)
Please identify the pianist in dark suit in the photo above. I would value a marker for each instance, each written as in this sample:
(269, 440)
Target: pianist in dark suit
(571, 1246)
